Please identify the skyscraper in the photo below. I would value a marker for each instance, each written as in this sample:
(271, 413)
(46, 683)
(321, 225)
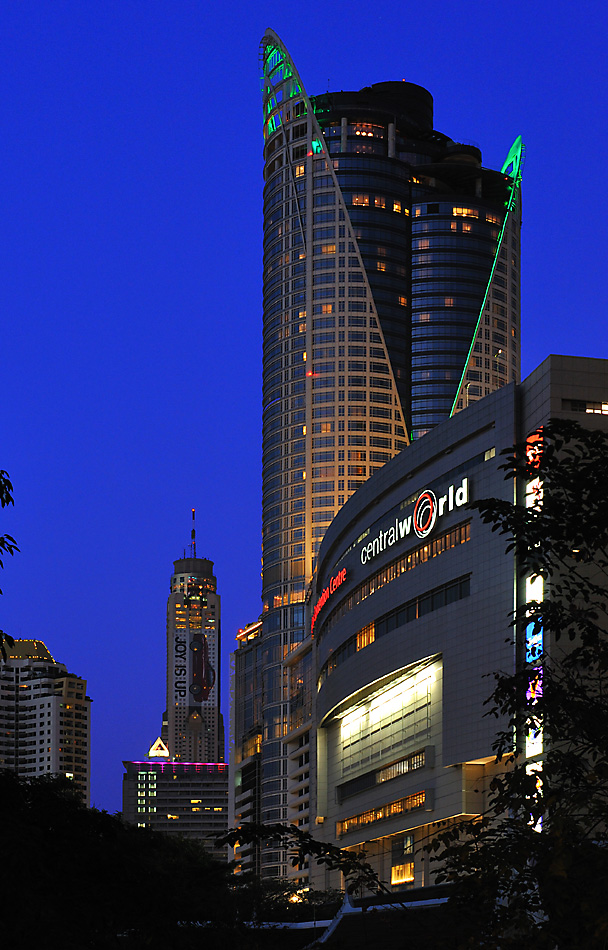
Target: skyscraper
(45, 717)
(182, 787)
(391, 301)
(193, 726)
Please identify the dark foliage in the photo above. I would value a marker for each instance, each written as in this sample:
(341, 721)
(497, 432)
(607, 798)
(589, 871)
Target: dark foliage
(8, 545)
(81, 879)
(357, 872)
(76, 877)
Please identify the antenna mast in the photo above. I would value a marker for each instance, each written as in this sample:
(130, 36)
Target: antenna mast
(193, 535)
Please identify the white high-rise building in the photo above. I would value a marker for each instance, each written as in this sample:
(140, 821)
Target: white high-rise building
(45, 717)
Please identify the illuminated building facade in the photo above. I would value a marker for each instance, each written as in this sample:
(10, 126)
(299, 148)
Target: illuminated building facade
(246, 739)
(45, 717)
(193, 727)
(185, 798)
(415, 596)
(391, 301)
(182, 788)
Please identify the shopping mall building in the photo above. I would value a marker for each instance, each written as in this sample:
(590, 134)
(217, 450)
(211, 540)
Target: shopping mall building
(409, 616)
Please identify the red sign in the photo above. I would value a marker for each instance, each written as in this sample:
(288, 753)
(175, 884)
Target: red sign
(333, 585)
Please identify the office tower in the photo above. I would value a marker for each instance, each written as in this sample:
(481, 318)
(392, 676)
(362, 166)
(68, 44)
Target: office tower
(182, 787)
(45, 717)
(193, 726)
(184, 798)
(246, 739)
(391, 301)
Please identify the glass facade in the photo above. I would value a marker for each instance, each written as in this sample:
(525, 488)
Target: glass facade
(381, 237)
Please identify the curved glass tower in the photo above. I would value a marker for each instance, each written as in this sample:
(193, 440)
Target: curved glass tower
(391, 300)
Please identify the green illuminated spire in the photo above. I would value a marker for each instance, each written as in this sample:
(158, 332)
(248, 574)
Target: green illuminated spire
(514, 161)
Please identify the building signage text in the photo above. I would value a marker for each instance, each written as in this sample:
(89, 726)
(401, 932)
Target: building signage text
(427, 509)
(333, 585)
(180, 670)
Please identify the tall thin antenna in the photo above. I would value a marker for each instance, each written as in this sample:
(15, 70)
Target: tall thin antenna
(193, 535)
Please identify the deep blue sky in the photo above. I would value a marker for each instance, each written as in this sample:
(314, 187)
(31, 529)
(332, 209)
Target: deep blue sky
(130, 163)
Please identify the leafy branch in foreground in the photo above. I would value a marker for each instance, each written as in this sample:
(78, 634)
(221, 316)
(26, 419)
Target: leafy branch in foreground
(357, 872)
(534, 865)
(8, 545)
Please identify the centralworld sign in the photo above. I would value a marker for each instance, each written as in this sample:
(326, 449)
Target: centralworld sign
(428, 508)
(422, 519)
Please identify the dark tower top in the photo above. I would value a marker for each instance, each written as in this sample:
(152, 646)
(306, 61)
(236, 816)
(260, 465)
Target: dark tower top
(410, 102)
(197, 568)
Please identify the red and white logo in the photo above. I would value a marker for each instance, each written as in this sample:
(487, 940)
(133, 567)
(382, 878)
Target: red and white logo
(425, 513)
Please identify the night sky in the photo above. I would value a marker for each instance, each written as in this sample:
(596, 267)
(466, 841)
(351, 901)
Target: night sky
(131, 169)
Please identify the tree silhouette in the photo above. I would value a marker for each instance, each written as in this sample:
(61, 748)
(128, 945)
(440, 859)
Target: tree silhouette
(8, 545)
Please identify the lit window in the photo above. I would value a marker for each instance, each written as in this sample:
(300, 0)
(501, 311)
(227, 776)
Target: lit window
(328, 249)
(379, 202)
(381, 265)
(492, 218)
(362, 200)
(365, 636)
(402, 873)
(449, 301)
(396, 206)
(402, 301)
(465, 212)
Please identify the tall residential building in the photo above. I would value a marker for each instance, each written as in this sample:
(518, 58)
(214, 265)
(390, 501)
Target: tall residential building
(193, 726)
(45, 717)
(391, 301)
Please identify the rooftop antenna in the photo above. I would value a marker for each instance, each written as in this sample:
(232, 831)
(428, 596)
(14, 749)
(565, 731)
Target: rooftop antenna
(193, 536)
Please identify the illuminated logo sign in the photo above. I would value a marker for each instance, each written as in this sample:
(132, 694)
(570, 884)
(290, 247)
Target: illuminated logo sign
(333, 585)
(425, 513)
(158, 750)
(427, 509)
